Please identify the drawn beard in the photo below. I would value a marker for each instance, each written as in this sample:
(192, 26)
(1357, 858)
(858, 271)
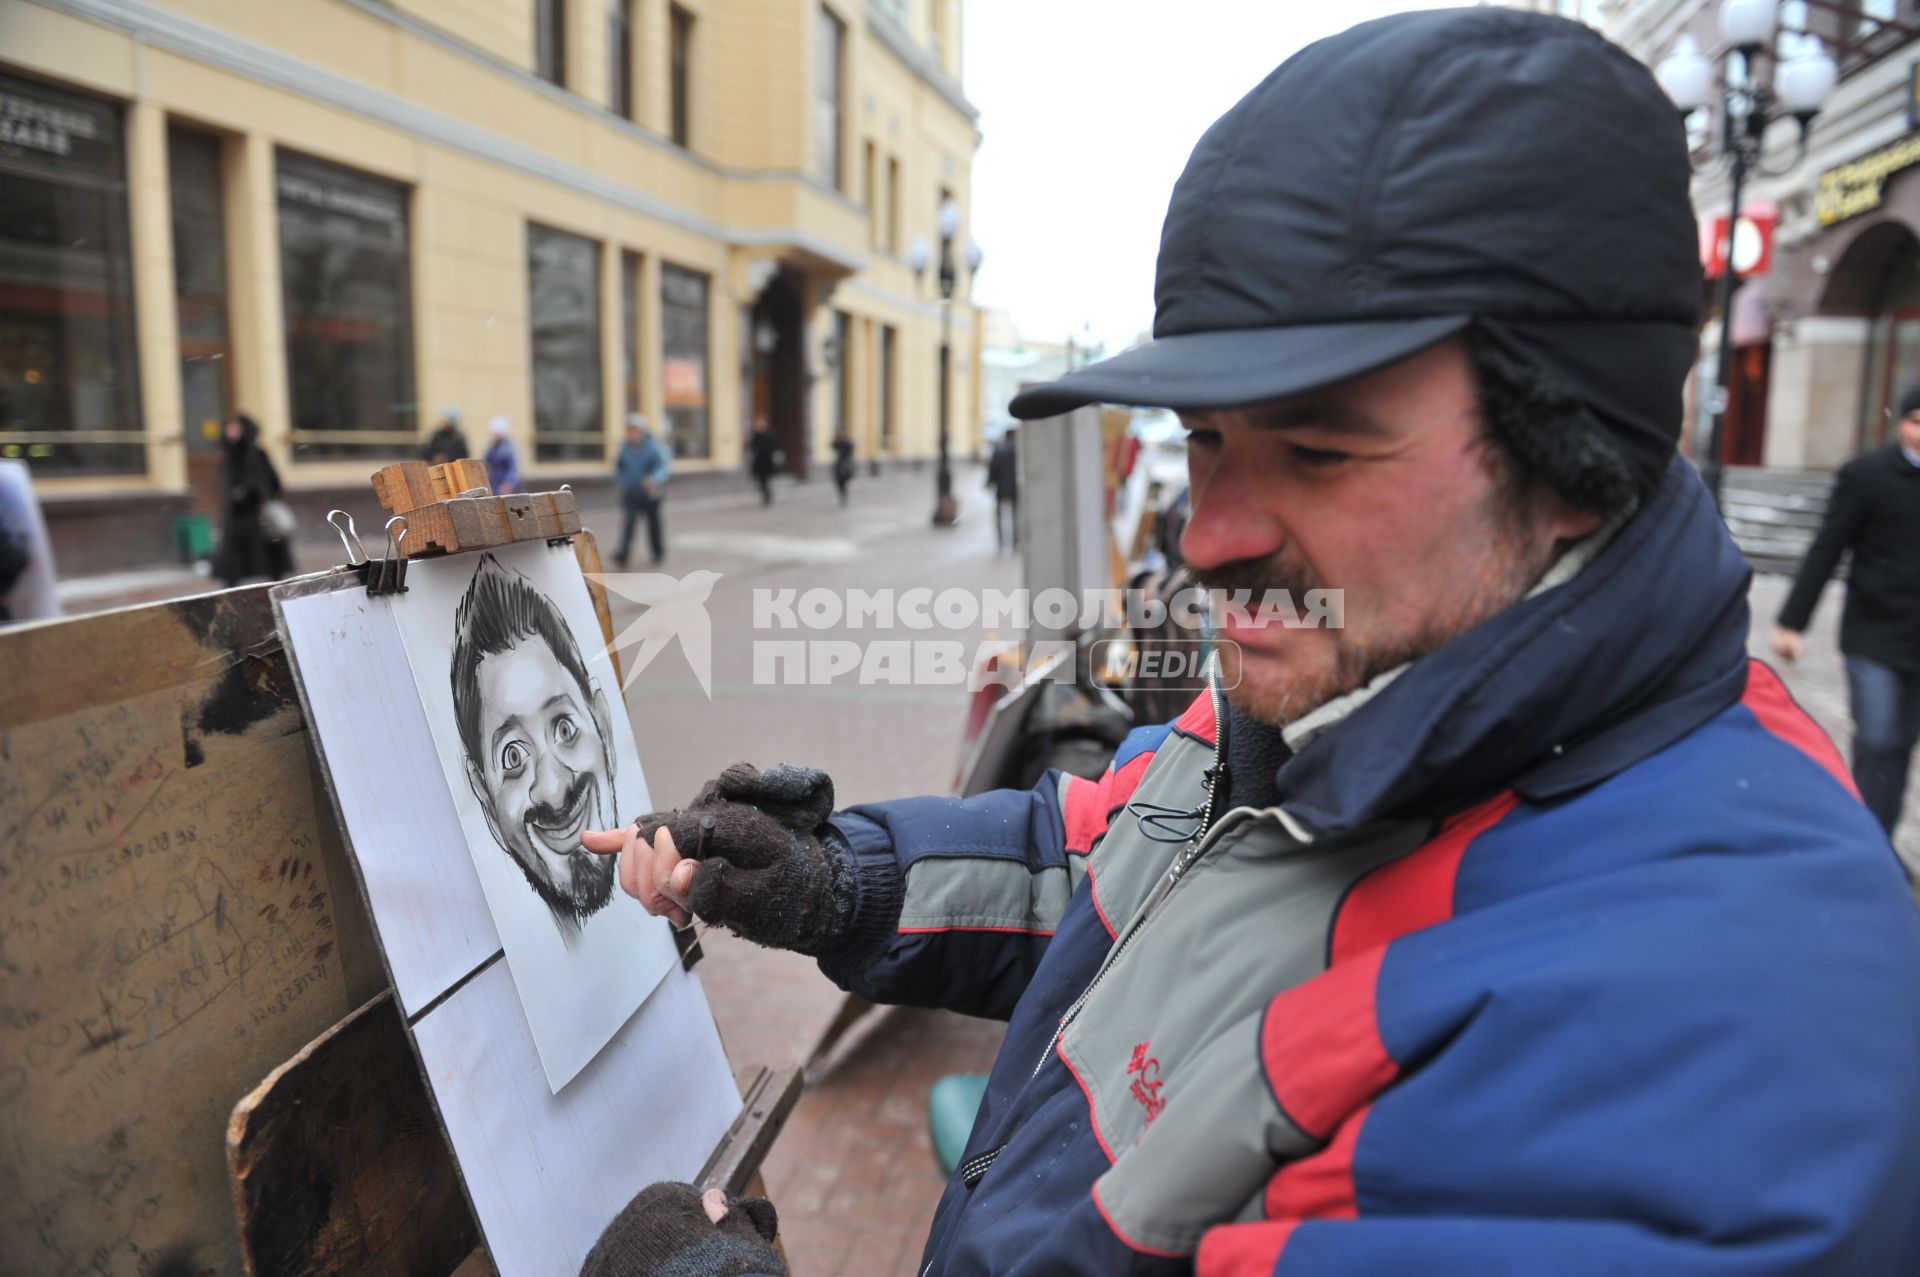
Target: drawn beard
(589, 878)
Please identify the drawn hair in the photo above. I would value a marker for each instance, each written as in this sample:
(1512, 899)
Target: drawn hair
(500, 610)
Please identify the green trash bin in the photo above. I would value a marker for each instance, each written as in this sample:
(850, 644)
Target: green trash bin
(951, 1108)
(193, 537)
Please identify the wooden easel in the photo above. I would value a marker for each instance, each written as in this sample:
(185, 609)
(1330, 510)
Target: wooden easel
(179, 930)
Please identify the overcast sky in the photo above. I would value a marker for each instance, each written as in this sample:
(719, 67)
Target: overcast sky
(1088, 110)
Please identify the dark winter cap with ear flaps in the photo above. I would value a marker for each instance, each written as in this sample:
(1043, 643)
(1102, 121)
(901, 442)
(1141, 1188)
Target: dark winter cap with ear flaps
(1389, 186)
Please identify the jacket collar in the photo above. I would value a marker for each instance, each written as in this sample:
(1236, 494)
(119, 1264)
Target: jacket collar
(1565, 688)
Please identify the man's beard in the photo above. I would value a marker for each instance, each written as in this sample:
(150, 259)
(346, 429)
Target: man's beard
(1517, 563)
(589, 880)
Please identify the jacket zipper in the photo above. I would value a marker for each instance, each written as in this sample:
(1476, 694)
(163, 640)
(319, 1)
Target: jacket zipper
(1188, 855)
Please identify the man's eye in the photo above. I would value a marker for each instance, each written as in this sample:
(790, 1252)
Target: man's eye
(513, 757)
(564, 731)
(1203, 438)
(1319, 458)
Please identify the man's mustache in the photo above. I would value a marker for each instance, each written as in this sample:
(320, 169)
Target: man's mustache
(552, 817)
(1254, 577)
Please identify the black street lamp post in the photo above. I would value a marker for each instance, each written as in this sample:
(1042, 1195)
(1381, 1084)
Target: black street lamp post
(1748, 107)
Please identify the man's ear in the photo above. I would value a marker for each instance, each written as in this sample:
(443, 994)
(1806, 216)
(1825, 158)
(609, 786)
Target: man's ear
(477, 783)
(602, 719)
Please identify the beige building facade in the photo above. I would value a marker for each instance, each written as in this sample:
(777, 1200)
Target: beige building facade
(342, 216)
(1828, 335)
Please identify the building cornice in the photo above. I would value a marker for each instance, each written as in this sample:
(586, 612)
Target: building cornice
(163, 29)
(917, 60)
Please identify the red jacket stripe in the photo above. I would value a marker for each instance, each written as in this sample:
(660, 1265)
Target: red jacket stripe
(1321, 1186)
(1198, 719)
(1320, 1046)
(1242, 1250)
(1084, 812)
(1770, 702)
(1414, 891)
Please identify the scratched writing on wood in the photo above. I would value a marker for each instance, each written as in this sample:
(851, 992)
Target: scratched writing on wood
(166, 939)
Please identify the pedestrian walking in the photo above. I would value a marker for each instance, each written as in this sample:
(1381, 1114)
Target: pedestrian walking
(640, 473)
(446, 443)
(254, 525)
(763, 457)
(1515, 922)
(1003, 476)
(503, 463)
(842, 462)
(1874, 513)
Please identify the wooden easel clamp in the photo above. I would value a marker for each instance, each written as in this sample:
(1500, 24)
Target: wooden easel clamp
(449, 508)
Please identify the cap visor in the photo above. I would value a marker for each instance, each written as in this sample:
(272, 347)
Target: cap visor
(1196, 371)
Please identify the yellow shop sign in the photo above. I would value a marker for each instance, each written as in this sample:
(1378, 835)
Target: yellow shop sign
(1849, 189)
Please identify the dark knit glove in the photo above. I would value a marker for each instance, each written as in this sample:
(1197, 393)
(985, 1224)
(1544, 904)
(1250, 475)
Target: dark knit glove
(771, 868)
(664, 1232)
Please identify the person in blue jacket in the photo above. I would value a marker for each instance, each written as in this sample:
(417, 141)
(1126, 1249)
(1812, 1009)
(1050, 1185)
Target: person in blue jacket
(640, 474)
(1516, 921)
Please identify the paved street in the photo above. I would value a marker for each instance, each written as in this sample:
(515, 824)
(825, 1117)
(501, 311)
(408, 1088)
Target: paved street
(853, 1175)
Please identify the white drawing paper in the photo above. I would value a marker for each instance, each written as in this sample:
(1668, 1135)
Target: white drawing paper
(535, 746)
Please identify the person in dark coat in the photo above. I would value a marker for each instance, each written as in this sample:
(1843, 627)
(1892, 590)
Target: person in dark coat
(763, 456)
(842, 462)
(1003, 476)
(247, 482)
(446, 443)
(1874, 512)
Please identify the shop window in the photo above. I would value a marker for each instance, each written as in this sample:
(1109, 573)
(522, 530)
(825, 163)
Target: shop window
(631, 265)
(69, 392)
(563, 305)
(889, 340)
(683, 363)
(200, 303)
(346, 287)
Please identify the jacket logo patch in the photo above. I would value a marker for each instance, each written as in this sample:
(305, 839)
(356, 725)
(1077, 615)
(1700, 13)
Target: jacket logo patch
(1147, 1083)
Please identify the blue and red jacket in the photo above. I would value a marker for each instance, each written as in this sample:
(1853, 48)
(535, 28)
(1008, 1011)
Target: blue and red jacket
(1571, 951)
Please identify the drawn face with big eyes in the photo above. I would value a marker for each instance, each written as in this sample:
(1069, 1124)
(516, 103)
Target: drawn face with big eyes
(546, 774)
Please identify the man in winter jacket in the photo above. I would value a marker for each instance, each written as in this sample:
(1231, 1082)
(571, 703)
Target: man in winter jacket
(1522, 925)
(1875, 513)
(640, 474)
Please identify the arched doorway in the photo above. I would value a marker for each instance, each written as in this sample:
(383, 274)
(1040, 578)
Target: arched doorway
(1877, 278)
(779, 385)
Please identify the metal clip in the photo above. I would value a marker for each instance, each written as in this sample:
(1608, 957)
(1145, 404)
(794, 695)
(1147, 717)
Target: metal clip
(348, 537)
(388, 575)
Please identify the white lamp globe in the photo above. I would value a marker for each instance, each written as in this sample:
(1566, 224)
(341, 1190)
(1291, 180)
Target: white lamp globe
(975, 255)
(949, 218)
(1685, 75)
(1748, 24)
(918, 254)
(1805, 80)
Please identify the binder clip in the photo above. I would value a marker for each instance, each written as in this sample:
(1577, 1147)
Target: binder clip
(381, 576)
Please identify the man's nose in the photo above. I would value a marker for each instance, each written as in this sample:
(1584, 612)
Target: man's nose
(1232, 518)
(550, 779)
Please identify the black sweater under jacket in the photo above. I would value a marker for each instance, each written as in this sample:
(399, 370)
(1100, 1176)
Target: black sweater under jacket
(1875, 512)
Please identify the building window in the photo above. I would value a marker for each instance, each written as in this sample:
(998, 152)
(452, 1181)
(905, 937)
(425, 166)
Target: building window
(889, 339)
(200, 298)
(869, 188)
(892, 240)
(680, 57)
(683, 363)
(550, 41)
(837, 360)
(620, 58)
(347, 293)
(630, 270)
(563, 307)
(67, 353)
(829, 65)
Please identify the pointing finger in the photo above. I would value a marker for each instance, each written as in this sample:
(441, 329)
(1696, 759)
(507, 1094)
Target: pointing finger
(605, 842)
